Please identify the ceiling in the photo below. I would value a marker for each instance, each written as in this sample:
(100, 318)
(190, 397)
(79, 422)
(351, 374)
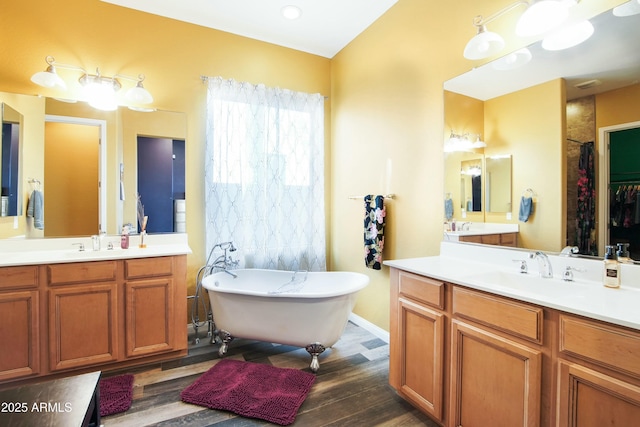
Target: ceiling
(324, 28)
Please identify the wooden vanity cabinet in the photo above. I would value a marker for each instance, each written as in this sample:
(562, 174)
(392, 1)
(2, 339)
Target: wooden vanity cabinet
(19, 322)
(500, 239)
(83, 314)
(598, 374)
(150, 305)
(86, 315)
(417, 346)
(496, 361)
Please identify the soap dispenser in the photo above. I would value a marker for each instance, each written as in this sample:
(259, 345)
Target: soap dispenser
(611, 268)
(623, 253)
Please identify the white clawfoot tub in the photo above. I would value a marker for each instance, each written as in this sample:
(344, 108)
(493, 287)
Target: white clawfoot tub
(302, 309)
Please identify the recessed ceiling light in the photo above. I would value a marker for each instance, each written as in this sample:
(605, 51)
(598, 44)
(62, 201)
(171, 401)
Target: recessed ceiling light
(291, 12)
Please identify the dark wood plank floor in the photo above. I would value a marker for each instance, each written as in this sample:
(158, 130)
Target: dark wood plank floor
(351, 388)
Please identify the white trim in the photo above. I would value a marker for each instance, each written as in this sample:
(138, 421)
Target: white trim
(603, 180)
(365, 324)
(102, 161)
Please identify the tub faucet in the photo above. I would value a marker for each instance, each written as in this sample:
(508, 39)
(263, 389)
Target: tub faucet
(544, 264)
(224, 262)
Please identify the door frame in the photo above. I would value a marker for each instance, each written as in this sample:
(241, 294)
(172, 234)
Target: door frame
(604, 137)
(102, 160)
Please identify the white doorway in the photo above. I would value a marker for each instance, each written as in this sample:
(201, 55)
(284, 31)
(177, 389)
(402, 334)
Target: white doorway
(604, 135)
(70, 195)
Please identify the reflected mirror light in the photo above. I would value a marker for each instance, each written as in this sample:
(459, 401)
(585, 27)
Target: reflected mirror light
(568, 37)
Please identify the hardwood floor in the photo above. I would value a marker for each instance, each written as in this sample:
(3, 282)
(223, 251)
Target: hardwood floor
(351, 388)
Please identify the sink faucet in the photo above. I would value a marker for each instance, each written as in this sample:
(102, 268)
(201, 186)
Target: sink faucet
(569, 251)
(465, 226)
(544, 264)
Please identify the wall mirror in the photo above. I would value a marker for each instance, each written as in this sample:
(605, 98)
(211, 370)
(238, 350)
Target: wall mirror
(109, 155)
(11, 203)
(524, 112)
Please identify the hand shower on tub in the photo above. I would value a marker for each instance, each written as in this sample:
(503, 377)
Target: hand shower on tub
(224, 263)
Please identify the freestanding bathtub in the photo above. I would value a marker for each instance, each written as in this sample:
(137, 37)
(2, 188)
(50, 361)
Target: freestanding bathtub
(303, 309)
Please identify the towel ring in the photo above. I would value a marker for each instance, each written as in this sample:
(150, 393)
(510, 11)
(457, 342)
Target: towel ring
(528, 192)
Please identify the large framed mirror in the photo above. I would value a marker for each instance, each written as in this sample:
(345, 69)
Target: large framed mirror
(543, 115)
(108, 195)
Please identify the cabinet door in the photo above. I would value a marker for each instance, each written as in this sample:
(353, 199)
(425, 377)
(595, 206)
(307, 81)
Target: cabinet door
(494, 381)
(150, 318)
(83, 326)
(418, 360)
(20, 355)
(589, 398)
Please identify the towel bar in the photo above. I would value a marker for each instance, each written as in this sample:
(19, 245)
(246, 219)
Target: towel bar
(386, 196)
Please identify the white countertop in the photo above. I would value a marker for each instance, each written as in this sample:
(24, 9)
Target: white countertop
(63, 250)
(479, 229)
(492, 269)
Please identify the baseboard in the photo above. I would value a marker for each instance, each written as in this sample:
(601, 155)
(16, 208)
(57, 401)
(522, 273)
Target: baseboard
(365, 324)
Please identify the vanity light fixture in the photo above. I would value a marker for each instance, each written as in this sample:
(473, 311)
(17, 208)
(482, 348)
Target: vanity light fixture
(539, 17)
(568, 37)
(627, 9)
(99, 91)
(542, 16)
(513, 60)
(457, 142)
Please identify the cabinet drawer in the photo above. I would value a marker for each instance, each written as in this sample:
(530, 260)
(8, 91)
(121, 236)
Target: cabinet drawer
(521, 320)
(22, 277)
(148, 267)
(605, 345)
(423, 289)
(82, 272)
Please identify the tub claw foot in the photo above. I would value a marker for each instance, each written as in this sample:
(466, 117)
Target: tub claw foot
(226, 339)
(315, 350)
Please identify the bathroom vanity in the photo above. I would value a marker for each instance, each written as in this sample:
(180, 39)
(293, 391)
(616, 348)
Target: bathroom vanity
(478, 343)
(62, 309)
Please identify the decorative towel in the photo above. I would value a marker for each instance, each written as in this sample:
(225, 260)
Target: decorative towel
(374, 214)
(35, 209)
(526, 208)
(448, 209)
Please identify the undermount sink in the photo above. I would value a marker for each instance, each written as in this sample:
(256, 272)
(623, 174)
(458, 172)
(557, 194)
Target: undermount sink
(509, 279)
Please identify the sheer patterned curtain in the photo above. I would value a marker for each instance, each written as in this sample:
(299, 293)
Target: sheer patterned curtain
(264, 173)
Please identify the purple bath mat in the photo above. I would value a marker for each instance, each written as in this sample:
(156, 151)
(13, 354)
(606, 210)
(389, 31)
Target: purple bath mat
(116, 394)
(251, 390)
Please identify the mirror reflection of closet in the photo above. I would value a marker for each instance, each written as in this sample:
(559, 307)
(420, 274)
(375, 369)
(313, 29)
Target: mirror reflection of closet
(624, 184)
(471, 185)
(10, 161)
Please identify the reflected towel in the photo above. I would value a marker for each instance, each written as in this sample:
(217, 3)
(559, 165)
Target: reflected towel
(526, 208)
(35, 209)
(448, 209)
(374, 230)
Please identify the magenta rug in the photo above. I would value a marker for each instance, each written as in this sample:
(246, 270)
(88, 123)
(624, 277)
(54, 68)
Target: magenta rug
(116, 394)
(251, 390)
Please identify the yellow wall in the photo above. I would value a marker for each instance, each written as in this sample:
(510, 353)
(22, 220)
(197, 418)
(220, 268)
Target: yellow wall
(618, 106)
(384, 119)
(529, 125)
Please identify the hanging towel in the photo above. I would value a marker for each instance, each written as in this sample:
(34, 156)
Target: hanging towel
(374, 215)
(35, 209)
(526, 208)
(448, 209)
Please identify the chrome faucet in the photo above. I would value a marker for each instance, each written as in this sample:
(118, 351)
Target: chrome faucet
(569, 251)
(544, 264)
(224, 262)
(465, 226)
